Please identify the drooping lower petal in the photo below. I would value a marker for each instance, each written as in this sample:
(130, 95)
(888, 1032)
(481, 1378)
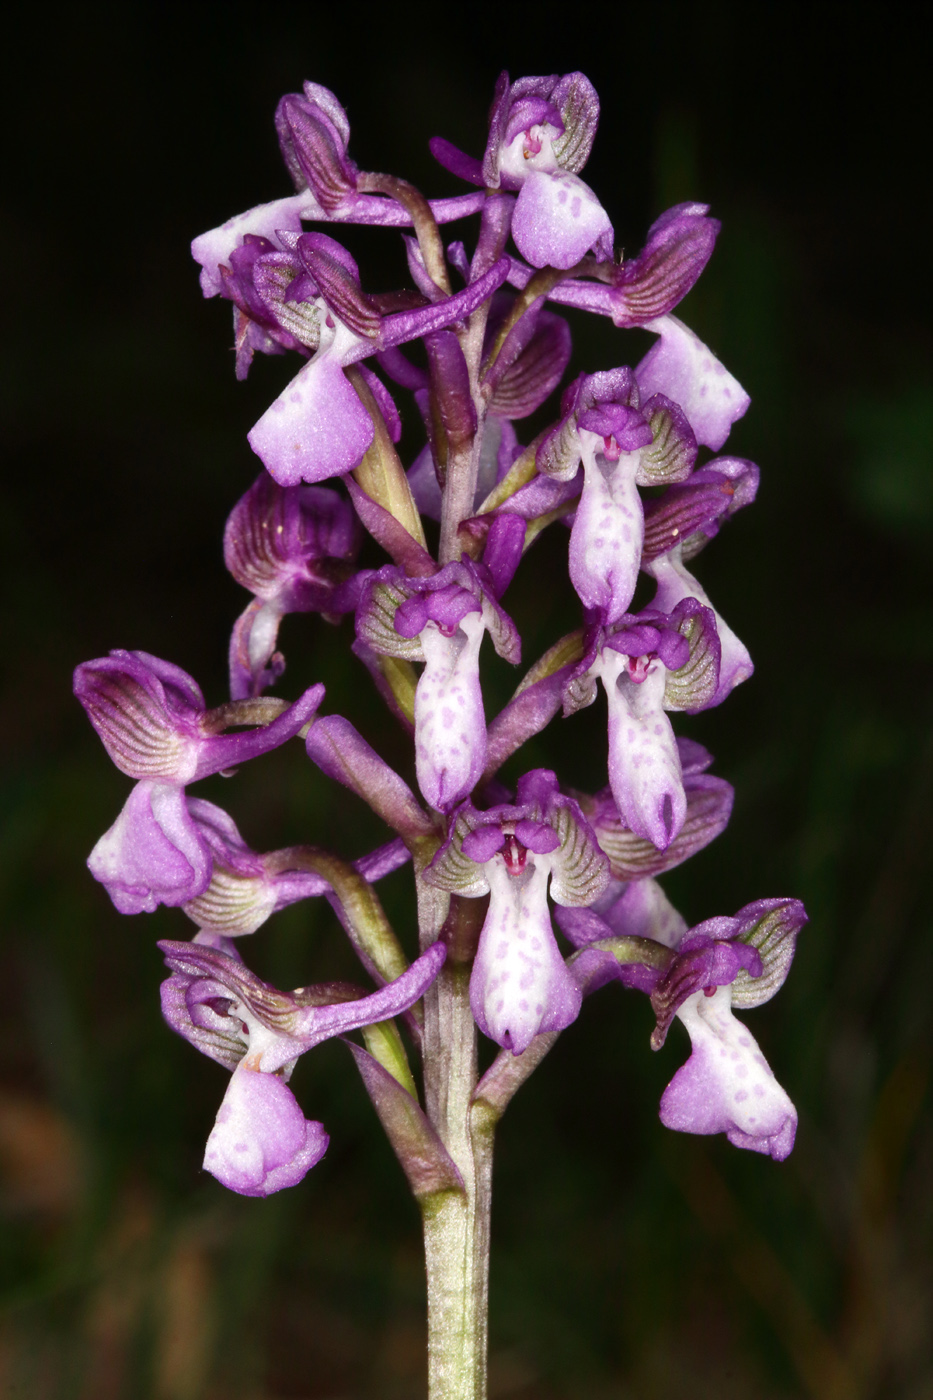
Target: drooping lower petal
(154, 853)
(644, 766)
(680, 366)
(520, 985)
(261, 1141)
(557, 219)
(450, 727)
(675, 582)
(605, 543)
(727, 1086)
(316, 428)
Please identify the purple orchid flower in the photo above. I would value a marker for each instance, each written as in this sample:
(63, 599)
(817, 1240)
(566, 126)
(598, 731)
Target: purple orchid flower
(318, 427)
(441, 621)
(153, 722)
(622, 444)
(261, 1141)
(520, 986)
(679, 524)
(541, 132)
(293, 548)
(649, 663)
(313, 133)
(726, 1085)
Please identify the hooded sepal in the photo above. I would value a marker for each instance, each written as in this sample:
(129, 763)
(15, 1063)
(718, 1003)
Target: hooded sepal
(650, 285)
(313, 133)
(675, 584)
(690, 512)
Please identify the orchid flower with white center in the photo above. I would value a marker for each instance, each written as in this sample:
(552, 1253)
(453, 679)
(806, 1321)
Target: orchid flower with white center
(622, 444)
(261, 1141)
(726, 1086)
(648, 664)
(441, 620)
(520, 987)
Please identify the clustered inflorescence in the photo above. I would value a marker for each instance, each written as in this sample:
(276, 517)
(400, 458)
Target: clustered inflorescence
(492, 349)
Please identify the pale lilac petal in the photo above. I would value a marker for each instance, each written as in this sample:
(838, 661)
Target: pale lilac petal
(261, 1140)
(675, 582)
(154, 853)
(316, 428)
(727, 1085)
(557, 219)
(680, 366)
(644, 766)
(520, 985)
(605, 542)
(450, 727)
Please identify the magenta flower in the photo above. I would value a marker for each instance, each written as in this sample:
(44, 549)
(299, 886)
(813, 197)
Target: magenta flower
(520, 985)
(649, 663)
(441, 620)
(541, 132)
(261, 1141)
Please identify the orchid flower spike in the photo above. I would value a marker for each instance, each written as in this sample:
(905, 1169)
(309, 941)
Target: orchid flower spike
(520, 986)
(441, 620)
(623, 443)
(261, 1141)
(649, 663)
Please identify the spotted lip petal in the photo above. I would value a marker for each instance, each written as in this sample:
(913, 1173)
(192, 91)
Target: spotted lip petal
(520, 986)
(261, 1141)
(727, 1086)
(154, 853)
(680, 366)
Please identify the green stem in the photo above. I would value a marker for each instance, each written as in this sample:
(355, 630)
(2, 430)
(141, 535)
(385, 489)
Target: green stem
(456, 1226)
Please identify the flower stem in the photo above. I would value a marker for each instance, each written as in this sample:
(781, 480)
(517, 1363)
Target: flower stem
(456, 1225)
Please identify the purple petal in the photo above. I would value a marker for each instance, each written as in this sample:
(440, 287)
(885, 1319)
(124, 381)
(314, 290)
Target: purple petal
(146, 713)
(679, 247)
(340, 752)
(727, 1085)
(456, 161)
(557, 219)
(154, 853)
(222, 751)
(316, 428)
(680, 366)
(314, 1024)
(261, 1141)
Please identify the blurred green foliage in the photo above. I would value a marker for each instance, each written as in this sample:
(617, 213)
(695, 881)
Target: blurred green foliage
(627, 1262)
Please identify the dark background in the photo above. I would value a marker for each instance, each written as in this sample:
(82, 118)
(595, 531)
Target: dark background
(627, 1261)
